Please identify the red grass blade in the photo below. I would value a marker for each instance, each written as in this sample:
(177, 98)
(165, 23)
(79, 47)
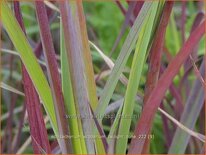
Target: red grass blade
(156, 52)
(54, 77)
(178, 107)
(37, 126)
(153, 102)
(155, 58)
(195, 101)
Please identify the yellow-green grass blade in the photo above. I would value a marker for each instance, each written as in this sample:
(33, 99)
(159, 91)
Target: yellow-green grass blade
(29, 60)
(73, 120)
(134, 79)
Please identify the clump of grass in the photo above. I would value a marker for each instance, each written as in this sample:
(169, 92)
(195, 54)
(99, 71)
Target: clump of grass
(69, 83)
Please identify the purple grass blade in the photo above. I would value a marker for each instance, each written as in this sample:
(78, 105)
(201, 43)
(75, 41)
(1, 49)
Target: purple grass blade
(178, 105)
(156, 52)
(203, 150)
(184, 118)
(189, 116)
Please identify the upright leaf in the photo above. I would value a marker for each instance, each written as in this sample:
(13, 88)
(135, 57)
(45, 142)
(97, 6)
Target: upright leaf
(134, 79)
(78, 144)
(29, 60)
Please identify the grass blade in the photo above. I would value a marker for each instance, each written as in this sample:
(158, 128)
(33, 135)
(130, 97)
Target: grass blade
(54, 77)
(78, 144)
(87, 56)
(155, 58)
(11, 89)
(29, 60)
(134, 79)
(78, 13)
(33, 105)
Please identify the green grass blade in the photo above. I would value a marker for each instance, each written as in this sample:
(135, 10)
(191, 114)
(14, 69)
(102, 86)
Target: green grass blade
(121, 61)
(69, 100)
(134, 79)
(29, 60)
